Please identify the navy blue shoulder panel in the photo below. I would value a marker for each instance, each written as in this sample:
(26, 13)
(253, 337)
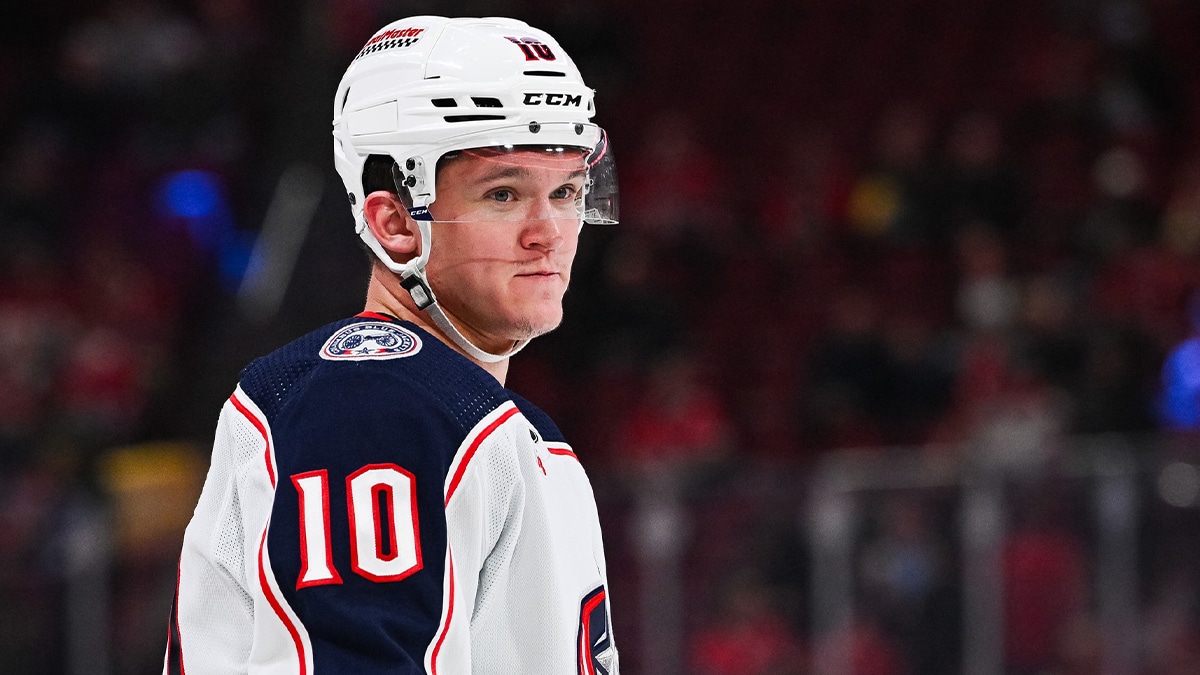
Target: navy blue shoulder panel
(273, 379)
(540, 420)
(462, 388)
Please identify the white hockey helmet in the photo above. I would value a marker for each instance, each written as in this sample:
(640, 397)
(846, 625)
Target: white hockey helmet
(426, 85)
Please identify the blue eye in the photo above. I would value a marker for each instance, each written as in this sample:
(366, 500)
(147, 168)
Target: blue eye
(502, 196)
(564, 192)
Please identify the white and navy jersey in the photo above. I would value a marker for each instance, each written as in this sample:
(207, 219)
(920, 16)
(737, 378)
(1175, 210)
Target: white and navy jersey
(377, 503)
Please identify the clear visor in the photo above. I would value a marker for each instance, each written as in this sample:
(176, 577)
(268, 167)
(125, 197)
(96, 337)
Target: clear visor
(600, 199)
(526, 181)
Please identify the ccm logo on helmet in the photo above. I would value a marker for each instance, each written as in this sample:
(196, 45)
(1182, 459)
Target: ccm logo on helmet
(532, 98)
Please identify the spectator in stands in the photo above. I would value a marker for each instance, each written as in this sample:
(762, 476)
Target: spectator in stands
(673, 154)
(891, 202)
(1045, 582)
(679, 419)
(746, 637)
(848, 375)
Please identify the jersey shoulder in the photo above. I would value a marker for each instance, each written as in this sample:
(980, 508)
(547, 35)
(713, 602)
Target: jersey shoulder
(539, 419)
(373, 359)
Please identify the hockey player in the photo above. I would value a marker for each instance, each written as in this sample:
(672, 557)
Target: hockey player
(378, 501)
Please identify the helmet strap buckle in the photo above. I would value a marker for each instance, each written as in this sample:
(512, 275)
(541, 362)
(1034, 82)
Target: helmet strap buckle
(419, 290)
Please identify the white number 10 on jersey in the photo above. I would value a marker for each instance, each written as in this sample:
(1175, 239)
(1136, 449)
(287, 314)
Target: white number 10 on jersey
(385, 543)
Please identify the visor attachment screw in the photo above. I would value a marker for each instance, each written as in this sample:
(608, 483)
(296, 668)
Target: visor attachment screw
(534, 127)
(410, 181)
(578, 129)
(410, 164)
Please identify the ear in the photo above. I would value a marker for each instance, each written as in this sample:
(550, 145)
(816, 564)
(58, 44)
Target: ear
(391, 225)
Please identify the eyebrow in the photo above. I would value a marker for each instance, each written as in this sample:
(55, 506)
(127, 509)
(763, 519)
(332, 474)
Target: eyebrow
(520, 172)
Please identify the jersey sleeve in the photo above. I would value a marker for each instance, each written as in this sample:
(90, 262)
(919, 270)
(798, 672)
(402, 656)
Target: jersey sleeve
(212, 621)
(485, 502)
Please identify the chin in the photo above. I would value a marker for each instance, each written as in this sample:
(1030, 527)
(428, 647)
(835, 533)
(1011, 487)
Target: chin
(539, 323)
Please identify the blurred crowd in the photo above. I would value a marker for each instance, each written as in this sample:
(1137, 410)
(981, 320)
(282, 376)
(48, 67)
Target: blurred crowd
(845, 223)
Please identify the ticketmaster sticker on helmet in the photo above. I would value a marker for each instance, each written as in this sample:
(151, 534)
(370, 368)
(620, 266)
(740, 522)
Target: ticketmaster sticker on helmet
(394, 38)
(362, 341)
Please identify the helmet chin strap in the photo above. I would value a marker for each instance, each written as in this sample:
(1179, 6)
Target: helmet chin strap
(443, 322)
(418, 288)
(412, 278)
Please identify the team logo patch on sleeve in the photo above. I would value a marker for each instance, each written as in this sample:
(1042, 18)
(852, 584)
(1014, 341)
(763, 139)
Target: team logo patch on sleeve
(372, 340)
(597, 655)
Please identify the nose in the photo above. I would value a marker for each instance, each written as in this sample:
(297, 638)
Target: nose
(544, 227)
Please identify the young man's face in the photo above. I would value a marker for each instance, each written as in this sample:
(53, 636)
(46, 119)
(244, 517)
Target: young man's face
(501, 267)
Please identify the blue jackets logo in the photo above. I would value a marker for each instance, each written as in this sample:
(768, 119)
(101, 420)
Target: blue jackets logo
(373, 340)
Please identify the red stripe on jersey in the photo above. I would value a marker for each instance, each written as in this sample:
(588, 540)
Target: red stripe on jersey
(274, 602)
(487, 431)
(262, 429)
(174, 665)
(445, 626)
(563, 451)
(375, 315)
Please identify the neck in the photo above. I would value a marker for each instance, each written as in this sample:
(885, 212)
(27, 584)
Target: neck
(386, 296)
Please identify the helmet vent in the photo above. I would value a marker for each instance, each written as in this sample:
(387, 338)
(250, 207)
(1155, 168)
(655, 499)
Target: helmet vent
(444, 103)
(486, 102)
(545, 73)
(472, 118)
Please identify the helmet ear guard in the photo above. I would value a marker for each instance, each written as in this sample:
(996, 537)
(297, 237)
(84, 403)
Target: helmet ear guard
(380, 173)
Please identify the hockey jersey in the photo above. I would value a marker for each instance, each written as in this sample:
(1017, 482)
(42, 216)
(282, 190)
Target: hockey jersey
(377, 503)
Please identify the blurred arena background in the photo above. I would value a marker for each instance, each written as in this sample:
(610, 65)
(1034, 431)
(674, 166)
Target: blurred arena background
(892, 366)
